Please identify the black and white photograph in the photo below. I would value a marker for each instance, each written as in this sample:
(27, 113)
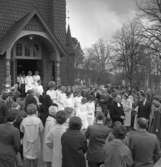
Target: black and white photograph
(80, 83)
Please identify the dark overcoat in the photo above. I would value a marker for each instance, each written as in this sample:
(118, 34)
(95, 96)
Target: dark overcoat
(74, 146)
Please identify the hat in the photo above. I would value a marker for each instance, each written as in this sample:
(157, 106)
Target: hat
(51, 84)
(53, 110)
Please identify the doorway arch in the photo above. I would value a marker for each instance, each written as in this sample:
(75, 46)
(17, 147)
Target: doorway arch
(32, 51)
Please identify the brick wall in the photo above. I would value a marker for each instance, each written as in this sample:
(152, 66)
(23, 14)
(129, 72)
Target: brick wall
(2, 72)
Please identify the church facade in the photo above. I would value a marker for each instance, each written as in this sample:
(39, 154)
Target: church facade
(33, 37)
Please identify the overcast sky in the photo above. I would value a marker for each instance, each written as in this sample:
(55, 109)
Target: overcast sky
(94, 19)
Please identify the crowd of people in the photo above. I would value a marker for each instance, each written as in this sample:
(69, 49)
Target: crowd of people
(78, 126)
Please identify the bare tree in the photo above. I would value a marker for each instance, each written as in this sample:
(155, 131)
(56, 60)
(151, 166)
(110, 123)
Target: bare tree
(130, 50)
(151, 10)
(98, 57)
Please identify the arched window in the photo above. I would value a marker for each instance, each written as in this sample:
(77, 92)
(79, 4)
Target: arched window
(27, 49)
(19, 49)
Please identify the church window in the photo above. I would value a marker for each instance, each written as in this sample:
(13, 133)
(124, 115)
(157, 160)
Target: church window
(19, 48)
(27, 51)
(36, 50)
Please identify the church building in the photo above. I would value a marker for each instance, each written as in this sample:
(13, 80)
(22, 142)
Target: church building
(33, 37)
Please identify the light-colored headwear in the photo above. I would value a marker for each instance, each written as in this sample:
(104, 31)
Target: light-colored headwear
(53, 110)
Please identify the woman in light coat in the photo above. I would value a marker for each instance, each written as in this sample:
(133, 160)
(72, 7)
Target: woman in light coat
(49, 124)
(53, 139)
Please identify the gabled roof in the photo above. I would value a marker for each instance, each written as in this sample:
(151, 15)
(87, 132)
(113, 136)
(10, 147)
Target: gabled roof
(16, 29)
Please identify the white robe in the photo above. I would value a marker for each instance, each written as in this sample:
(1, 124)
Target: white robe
(91, 112)
(29, 83)
(61, 100)
(54, 140)
(36, 78)
(47, 152)
(69, 102)
(53, 95)
(82, 112)
(39, 89)
(77, 103)
(127, 106)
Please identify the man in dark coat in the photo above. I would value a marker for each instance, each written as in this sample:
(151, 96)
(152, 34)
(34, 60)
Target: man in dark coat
(144, 145)
(9, 142)
(97, 134)
(155, 117)
(3, 112)
(116, 111)
(74, 145)
(144, 106)
(30, 99)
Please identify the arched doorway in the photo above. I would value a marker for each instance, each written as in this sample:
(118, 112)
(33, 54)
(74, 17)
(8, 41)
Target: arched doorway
(32, 53)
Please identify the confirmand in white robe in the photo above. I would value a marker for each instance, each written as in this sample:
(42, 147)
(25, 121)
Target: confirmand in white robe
(91, 112)
(47, 152)
(36, 78)
(127, 106)
(53, 95)
(77, 103)
(70, 102)
(53, 140)
(61, 100)
(39, 89)
(82, 112)
(29, 83)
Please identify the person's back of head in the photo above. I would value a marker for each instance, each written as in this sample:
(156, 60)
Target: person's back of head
(31, 109)
(69, 112)
(119, 132)
(142, 123)
(61, 117)
(117, 124)
(100, 116)
(11, 117)
(75, 123)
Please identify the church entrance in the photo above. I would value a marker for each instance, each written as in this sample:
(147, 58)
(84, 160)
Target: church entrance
(28, 65)
(26, 56)
(33, 53)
